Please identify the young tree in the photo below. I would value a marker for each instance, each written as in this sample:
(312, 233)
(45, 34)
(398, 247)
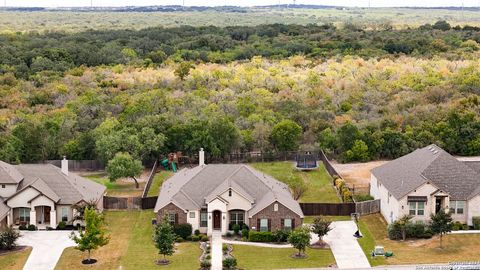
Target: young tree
(183, 70)
(285, 135)
(164, 239)
(321, 227)
(123, 165)
(441, 223)
(403, 223)
(300, 239)
(94, 235)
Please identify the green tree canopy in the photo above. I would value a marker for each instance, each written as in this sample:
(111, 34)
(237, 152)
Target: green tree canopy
(124, 165)
(285, 135)
(164, 239)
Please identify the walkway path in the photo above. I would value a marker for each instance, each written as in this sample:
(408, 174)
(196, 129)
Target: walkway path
(216, 251)
(47, 247)
(344, 246)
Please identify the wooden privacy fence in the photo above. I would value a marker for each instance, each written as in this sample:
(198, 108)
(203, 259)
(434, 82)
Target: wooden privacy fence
(328, 166)
(80, 165)
(367, 207)
(150, 179)
(129, 203)
(327, 209)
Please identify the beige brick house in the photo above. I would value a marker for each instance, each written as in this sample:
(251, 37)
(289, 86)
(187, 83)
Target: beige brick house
(425, 181)
(217, 196)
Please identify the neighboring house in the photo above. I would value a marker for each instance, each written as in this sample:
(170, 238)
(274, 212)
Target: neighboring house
(43, 195)
(425, 181)
(215, 197)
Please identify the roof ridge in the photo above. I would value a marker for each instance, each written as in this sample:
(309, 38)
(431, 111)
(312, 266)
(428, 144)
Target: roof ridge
(188, 197)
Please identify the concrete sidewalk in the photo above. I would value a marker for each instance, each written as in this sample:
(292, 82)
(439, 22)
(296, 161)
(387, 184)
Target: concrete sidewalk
(47, 247)
(344, 246)
(216, 251)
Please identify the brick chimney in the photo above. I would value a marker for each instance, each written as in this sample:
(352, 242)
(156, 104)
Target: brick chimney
(64, 165)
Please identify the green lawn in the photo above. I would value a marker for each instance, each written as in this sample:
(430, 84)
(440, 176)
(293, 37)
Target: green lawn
(318, 182)
(15, 260)
(310, 219)
(158, 180)
(457, 247)
(119, 188)
(249, 257)
(131, 247)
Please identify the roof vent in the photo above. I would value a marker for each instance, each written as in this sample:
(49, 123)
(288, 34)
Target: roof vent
(436, 151)
(430, 148)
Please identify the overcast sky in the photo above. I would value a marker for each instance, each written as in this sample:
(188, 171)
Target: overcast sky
(373, 3)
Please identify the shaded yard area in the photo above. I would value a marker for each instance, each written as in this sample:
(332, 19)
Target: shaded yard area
(254, 258)
(131, 246)
(14, 260)
(158, 180)
(318, 182)
(457, 247)
(119, 188)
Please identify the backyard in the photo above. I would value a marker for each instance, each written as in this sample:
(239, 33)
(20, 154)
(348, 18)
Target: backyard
(14, 260)
(119, 188)
(318, 182)
(457, 247)
(131, 246)
(158, 180)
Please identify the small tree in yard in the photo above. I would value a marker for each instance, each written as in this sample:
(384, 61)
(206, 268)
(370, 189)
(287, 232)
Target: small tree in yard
(441, 224)
(94, 235)
(321, 227)
(164, 239)
(123, 165)
(403, 224)
(8, 238)
(300, 239)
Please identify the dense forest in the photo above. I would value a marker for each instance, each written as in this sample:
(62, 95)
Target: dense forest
(358, 94)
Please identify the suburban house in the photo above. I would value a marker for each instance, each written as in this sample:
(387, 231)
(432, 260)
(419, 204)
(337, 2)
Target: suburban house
(425, 181)
(217, 196)
(43, 194)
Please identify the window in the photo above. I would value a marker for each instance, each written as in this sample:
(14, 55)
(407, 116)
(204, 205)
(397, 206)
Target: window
(457, 207)
(416, 208)
(192, 214)
(287, 224)
(24, 214)
(3, 186)
(275, 207)
(264, 225)
(236, 217)
(64, 214)
(203, 218)
(171, 219)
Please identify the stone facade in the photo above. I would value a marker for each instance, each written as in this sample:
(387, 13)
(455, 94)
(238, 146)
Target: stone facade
(181, 216)
(275, 217)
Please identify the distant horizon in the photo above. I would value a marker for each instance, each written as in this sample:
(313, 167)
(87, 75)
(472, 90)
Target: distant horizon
(242, 3)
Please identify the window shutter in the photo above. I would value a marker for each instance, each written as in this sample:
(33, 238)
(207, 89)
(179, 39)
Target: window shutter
(282, 223)
(269, 225)
(176, 218)
(258, 224)
(293, 224)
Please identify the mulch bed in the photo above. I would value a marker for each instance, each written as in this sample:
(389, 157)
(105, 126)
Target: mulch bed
(89, 261)
(320, 245)
(14, 250)
(302, 256)
(162, 262)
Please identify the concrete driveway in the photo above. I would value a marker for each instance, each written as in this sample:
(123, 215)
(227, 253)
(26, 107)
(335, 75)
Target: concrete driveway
(47, 247)
(344, 246)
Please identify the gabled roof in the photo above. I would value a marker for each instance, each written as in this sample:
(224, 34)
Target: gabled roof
(191, 189)
(8, 174)
(3, 209)
(429, 164)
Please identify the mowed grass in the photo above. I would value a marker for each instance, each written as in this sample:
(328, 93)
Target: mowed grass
(131, 246)
(318, 182)
(14, 260)
(252, 258)
(457, 247)
(120, 188)
(158, 180)
(309, 219)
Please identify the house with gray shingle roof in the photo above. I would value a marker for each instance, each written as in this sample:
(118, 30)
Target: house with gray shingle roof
(43, 194)
(218, 196)
(425, 181)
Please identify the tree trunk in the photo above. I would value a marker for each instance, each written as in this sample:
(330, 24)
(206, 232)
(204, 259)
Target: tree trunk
(404, 235)
(441, 246)
(136, 182)
(88, 258)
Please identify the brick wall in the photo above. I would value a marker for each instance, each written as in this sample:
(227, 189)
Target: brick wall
(172, 209)
(275, 217)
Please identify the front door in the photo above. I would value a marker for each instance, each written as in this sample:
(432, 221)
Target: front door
(46, 214)
(217, 220)
(438, 204)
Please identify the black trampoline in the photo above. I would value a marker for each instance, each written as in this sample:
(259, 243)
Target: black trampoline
(306, 161)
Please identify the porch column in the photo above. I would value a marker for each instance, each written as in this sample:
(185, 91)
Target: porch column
(53, 218)
(33, 216)
(210, 224)
(10, 218)
(224, 223)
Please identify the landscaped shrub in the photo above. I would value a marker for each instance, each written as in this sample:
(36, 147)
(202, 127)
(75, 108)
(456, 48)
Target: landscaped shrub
(22, 227)
(228, 234)
(254, 236)
(236, 229)
(206, 264)
(413, 230)
(230, 263)
(363, 198)
(197, 232)
(31, 227)
(204, 238)
(8, 238)
(195, 238)
(281, 235)
(183, 230)
(61, 225)
(245, 233)
(476, 223)
(458, 226)
(339, 183)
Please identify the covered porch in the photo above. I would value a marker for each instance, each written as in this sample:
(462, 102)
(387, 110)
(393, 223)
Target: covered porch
(42, 216)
